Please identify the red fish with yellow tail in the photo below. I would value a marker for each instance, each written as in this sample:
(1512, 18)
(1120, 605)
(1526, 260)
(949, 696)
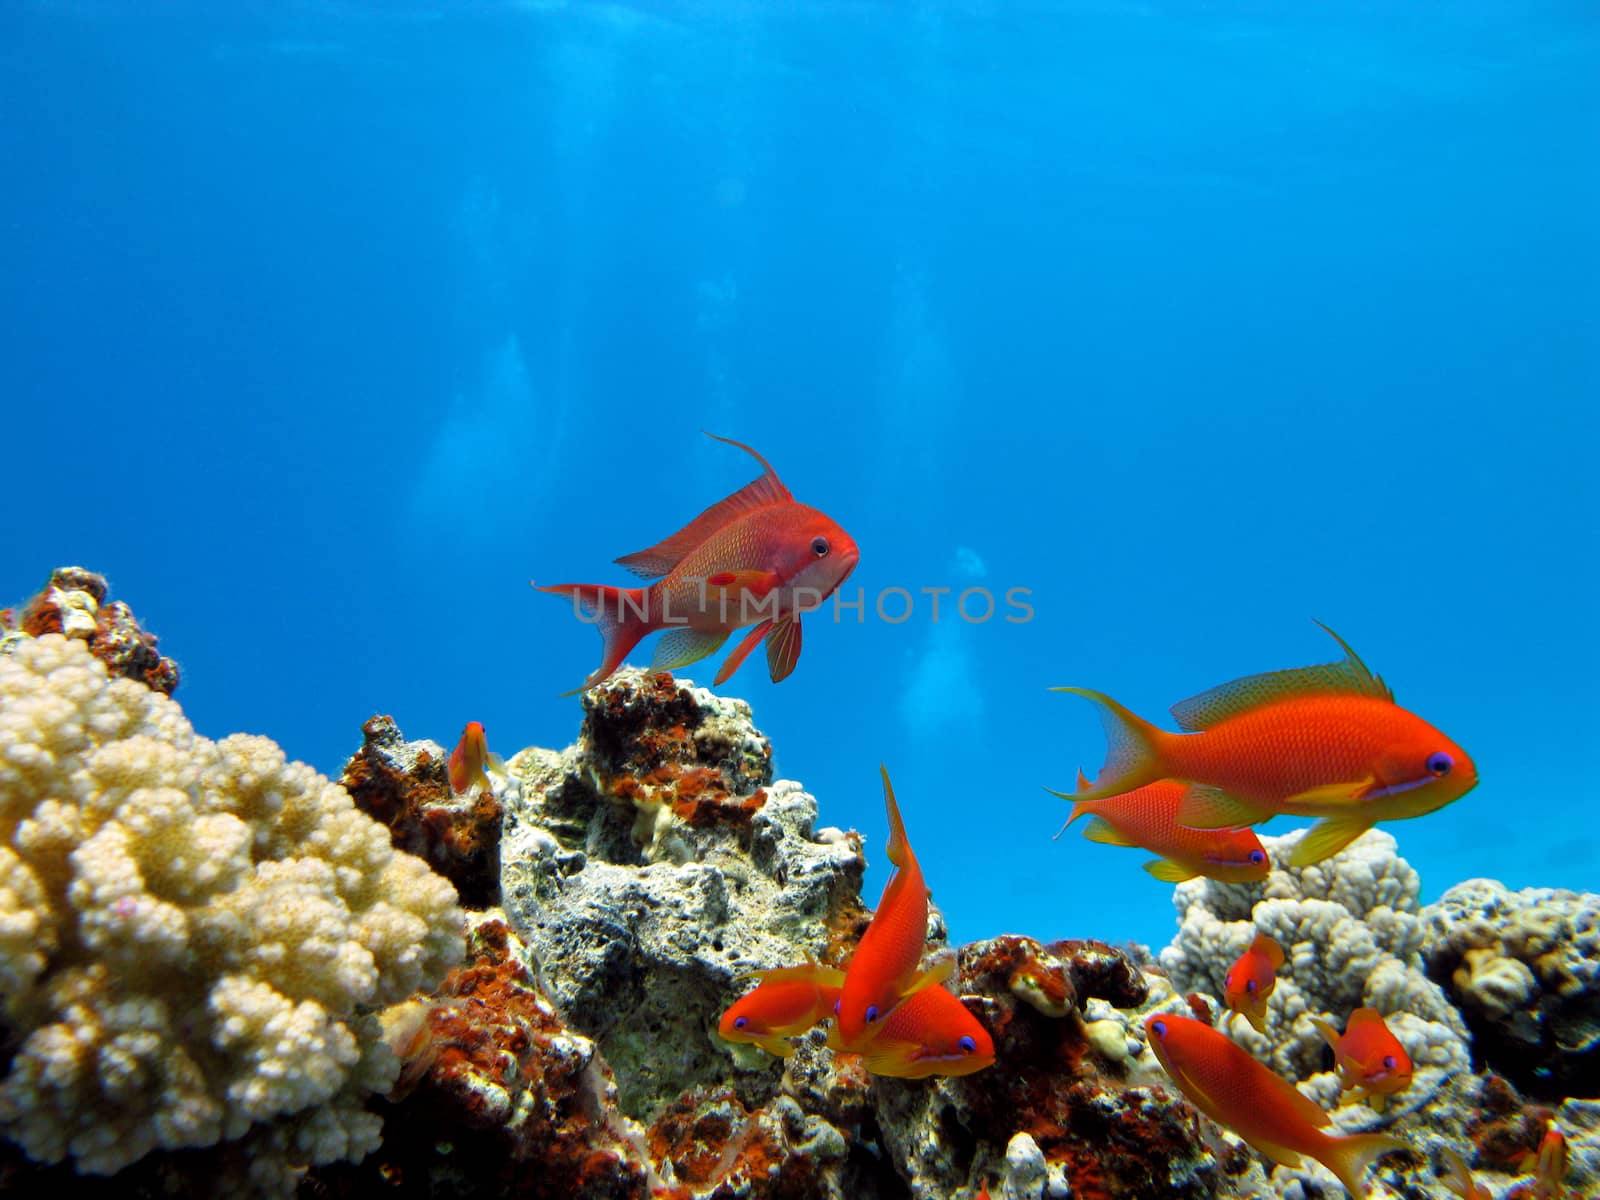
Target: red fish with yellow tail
(1222, 1080)
(1322, 741)
(757, 558)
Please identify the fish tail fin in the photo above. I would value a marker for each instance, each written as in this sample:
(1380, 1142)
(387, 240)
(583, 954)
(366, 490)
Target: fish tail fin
(1328, 1032)
(1348, 1158)
(621, 614)
(1135, 749)
(899, 846)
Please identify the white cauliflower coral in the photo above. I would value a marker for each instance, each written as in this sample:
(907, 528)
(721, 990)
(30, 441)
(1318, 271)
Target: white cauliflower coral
(193, 934)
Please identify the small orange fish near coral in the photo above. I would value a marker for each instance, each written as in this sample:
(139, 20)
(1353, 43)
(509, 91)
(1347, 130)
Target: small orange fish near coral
(468, 760)
(1222, 1080)
(1148, 817)
(1458, 1178)
(1370, 1060)
(884, 970)
(1550, 1165)
(1322, 741)
(787, 1002)
(758, 557)
(930, 1033)
(1251, 979)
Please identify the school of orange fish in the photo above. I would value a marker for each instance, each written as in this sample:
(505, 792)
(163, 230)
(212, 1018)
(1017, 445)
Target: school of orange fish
(1326, 741)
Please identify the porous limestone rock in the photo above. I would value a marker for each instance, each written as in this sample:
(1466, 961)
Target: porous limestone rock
(1525, 969)
(654, 864)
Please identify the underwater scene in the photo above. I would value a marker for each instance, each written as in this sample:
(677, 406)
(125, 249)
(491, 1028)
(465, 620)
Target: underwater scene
(737, 600)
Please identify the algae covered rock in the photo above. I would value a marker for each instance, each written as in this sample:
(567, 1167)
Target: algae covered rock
(654, 863)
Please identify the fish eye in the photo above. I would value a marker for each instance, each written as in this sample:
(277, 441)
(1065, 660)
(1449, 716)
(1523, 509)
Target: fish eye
(1250, 985)
(967, 1045)
(1257, 857)
(819, 547)
(740, 1022)
(1440, 763)
(1159, 1028)
(1388, 1062)
(872, 1013)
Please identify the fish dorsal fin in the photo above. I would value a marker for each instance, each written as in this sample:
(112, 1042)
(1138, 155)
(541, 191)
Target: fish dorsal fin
(899, 847)
(668, 553)
(1363, 1016)
(809, 972)
(1349, 676)
(1268, 949)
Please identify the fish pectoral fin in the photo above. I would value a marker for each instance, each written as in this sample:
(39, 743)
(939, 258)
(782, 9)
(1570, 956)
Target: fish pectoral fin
(1281, 1155)
(1343, 793)
(740, 652)
(1326, 838)
(775, 1045)
(938, 972)
(783, 647)
(1328, 1032)
(1103, 831)
(1202, 807)
(1349, 677)
(1168, 871)
(684, 646)
(738, 583)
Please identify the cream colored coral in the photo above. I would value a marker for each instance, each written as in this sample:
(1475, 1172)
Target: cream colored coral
(192, 933)
(1351, 931)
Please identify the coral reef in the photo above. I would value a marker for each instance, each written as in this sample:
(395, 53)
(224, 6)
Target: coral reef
(1524, 967)
(1054, 1112)
(193, 934)
(1356, 934)
(497, 1096)
(406, 786)
(653, 864)
(1352, 932)
(73, 604)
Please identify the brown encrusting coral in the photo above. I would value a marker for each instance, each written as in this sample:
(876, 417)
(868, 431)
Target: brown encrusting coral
(1052, 1082)
(406, 786)
(73, 603)
(505, 1099)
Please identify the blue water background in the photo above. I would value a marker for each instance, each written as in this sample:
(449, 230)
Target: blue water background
(324, 328)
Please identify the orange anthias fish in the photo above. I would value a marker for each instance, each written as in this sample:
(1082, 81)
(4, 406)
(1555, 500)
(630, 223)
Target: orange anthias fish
(757, 556)
(884, 969)
(1148, 817)
(1251, 979)
(1458, 1178)
(1323, 741)
(1222, 1080)
(787, 1002)
(1550, 1165)
(1370, 1060)
(468, 760)
(931, 1033)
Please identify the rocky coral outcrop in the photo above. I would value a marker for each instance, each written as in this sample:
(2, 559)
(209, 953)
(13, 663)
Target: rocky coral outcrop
(654, 863)
(1524, 967)
(73, 604)
(406, 786)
